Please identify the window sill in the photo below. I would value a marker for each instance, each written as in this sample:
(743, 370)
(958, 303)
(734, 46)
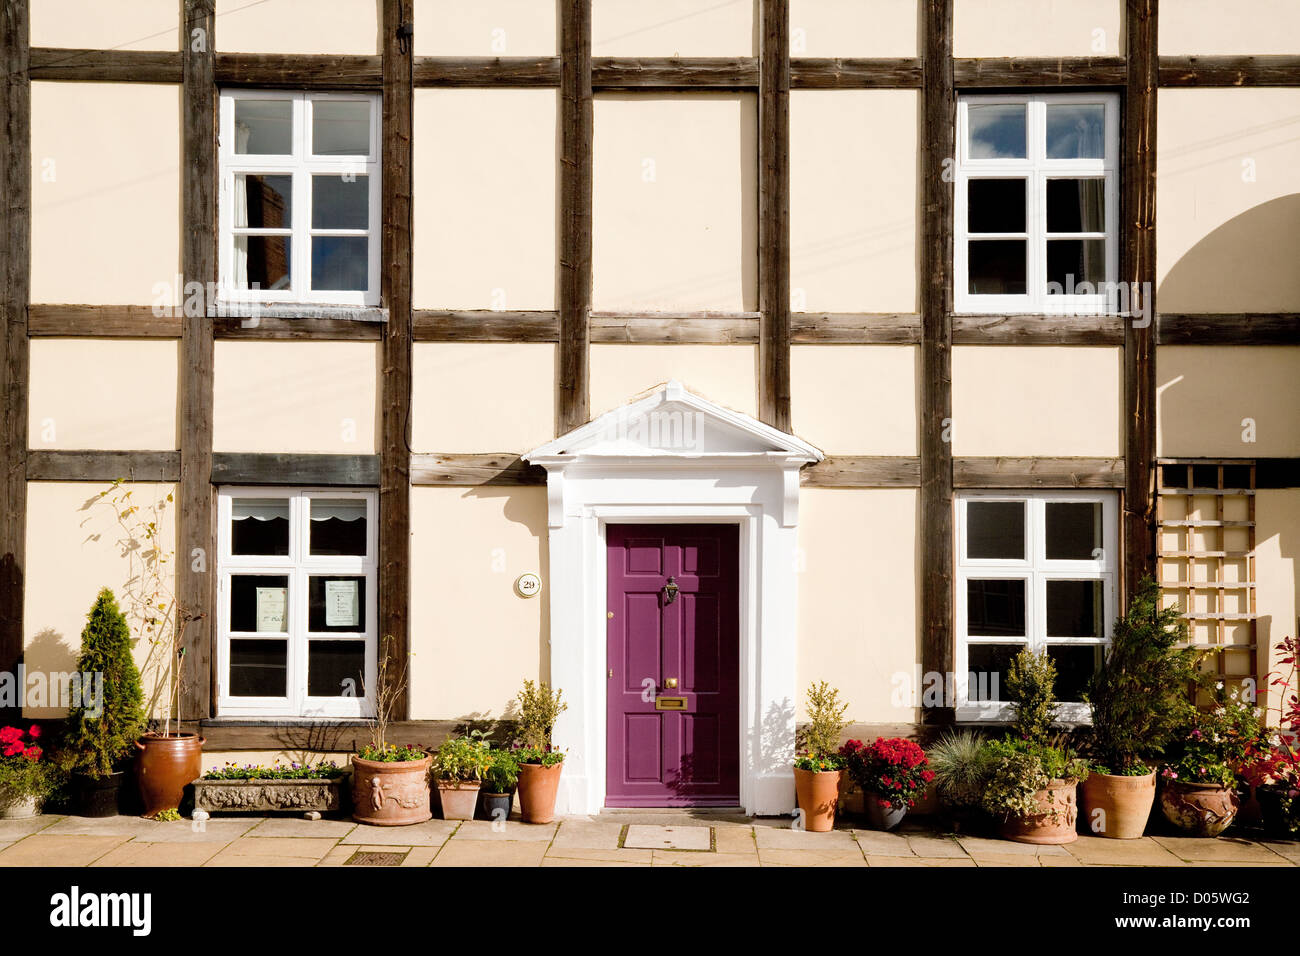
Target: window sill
(347, 313)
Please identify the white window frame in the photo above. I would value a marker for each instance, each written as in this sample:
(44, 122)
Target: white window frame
(1035, 569)
(298, 565)
(301, 166)
(1037, 169)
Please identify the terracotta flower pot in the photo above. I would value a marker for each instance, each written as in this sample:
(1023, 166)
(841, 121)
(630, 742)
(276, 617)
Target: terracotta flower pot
(459, 798)
(1053, 824)
(537, 789)
(817, 792)
(1199, 809)
(390, 794)
(1116, 806)
(882, 818)
(166, 764)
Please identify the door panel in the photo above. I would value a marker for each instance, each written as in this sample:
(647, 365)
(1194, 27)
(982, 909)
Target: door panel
(691, 757)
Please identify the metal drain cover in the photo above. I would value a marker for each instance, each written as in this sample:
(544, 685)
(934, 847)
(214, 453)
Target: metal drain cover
(367, 858)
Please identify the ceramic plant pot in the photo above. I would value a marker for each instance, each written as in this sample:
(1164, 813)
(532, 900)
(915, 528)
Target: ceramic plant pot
(882, 818)
(537, 788)
(459, 798)
(496, 806)
(391, 794)
(1199, 809)
(18, 807)
(1053, 824)
(817, 792)
(1116, 806)
(166, 764)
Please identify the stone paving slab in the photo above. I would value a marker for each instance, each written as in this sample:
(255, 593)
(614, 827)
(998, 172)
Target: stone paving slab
(491, 853)
(577, 854)
(829, 857)
(986, 846)
(552, 861)
(588, 835)
(734, 840)
(689, 858)
(55, 850)
(933, 847)
(1226, 850)
(273, 851)
(420, 856)
(770, 838)
(510, 832)
(139, 853)
(641, 836)
(155, 831)
(14, 830)
(918, 861)
(428, 833)
(1095, 851)
(875, 842)
(1288, 851)
(299, 827)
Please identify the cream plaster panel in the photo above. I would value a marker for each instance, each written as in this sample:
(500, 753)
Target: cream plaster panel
(1038, 27)
(299, 26)
(486, 28)
(847, 28)
(472, 397)
(96, 25)
(856, 399)
(674, 28)
(725, 374)
(1225, 27)
(304, 397)
(1277, 569)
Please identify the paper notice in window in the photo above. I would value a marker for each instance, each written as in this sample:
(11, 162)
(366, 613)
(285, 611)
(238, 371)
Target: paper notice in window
(271, 606)
(341, 606)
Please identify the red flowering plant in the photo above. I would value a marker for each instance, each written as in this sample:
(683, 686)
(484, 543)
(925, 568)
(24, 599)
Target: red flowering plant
(893, 771)
(24, 770)
(1274, 761)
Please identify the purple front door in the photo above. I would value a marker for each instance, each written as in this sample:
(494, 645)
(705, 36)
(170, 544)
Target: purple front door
(673, 727)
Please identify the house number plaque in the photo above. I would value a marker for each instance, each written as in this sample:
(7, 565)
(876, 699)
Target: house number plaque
(528, 585)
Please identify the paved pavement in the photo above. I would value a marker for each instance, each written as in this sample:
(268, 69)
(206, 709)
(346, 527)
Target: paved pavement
(614, 839)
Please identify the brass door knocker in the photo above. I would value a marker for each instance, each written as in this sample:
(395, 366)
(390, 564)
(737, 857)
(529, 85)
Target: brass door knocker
(670, 591)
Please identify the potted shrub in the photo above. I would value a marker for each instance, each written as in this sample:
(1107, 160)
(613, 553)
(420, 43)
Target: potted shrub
(961, 768)
(1198, 792)
(390, 784)
(1031, 788)
(1139, 701)
(99, 735)
(893, 774)
(817, 766)
(499, 782)
(27, 776)
(540, 764)
(1274, 773)
(458, 766)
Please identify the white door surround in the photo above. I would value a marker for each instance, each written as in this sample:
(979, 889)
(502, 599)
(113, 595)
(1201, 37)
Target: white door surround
(674, 457)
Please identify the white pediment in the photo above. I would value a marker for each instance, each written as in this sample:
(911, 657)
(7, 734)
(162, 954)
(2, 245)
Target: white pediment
(671, 422)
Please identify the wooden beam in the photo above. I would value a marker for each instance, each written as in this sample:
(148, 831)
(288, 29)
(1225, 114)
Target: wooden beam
(254, 468)
(863, 328)
(1021, 71)
(394, 476)
(15, 288)
(862, 471)
(774, 213)
(101, 321)
(1038, 330)
(1214, 328)
(505, 468)
(507, 71)
(297, 71)
(1138, 213)
(485, 326)
(1230, 70)
(105, 466)
(667, 328)
(724, 73)
(196, 534)
(107, 66)
(815, 73)
(1038, 472)
(1277, 473)
(335, 736)
(939, 107)
(577, 130)
(294, 330)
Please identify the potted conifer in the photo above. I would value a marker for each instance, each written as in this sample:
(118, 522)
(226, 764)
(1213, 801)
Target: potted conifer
(817, 767)
(540, 764)
(102, 727)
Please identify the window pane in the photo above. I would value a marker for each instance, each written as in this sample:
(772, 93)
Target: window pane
(259, 603)
(259, 526)
(1074, 609)
(995, 205)
(336, 668)
(997, 131)
(1073, 530)
(995, 608)
(340, 128)
(996, 267)
(1076, 205)
(336, 603)
(995, 529)
(987, 666)
(339, 203)
(262, 262)
(338, 526)
(264, 127)
(259, 668)
(263, 202)
(1076, 131)
(340, 263)
(1071, 262)
(1075, 665)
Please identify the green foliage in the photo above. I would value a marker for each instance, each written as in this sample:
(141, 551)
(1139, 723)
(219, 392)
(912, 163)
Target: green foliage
(169, 815)
(1218, 745)
(961, 768)
(818, 764)
(540, 756)
(95, 744)
(462, 758)
(1139, 696)
(323, 771)
(502, 774)
(821, 738)
(391, 753)
(1019, 769)
(25, 771)
(539, 708)
(1031, 681)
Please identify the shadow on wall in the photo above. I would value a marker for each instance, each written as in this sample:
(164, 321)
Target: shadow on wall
(1246, 264)
(774, 753)
(47, 655)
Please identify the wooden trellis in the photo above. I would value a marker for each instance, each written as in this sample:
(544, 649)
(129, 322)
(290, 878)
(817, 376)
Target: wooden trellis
(1205, 558)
